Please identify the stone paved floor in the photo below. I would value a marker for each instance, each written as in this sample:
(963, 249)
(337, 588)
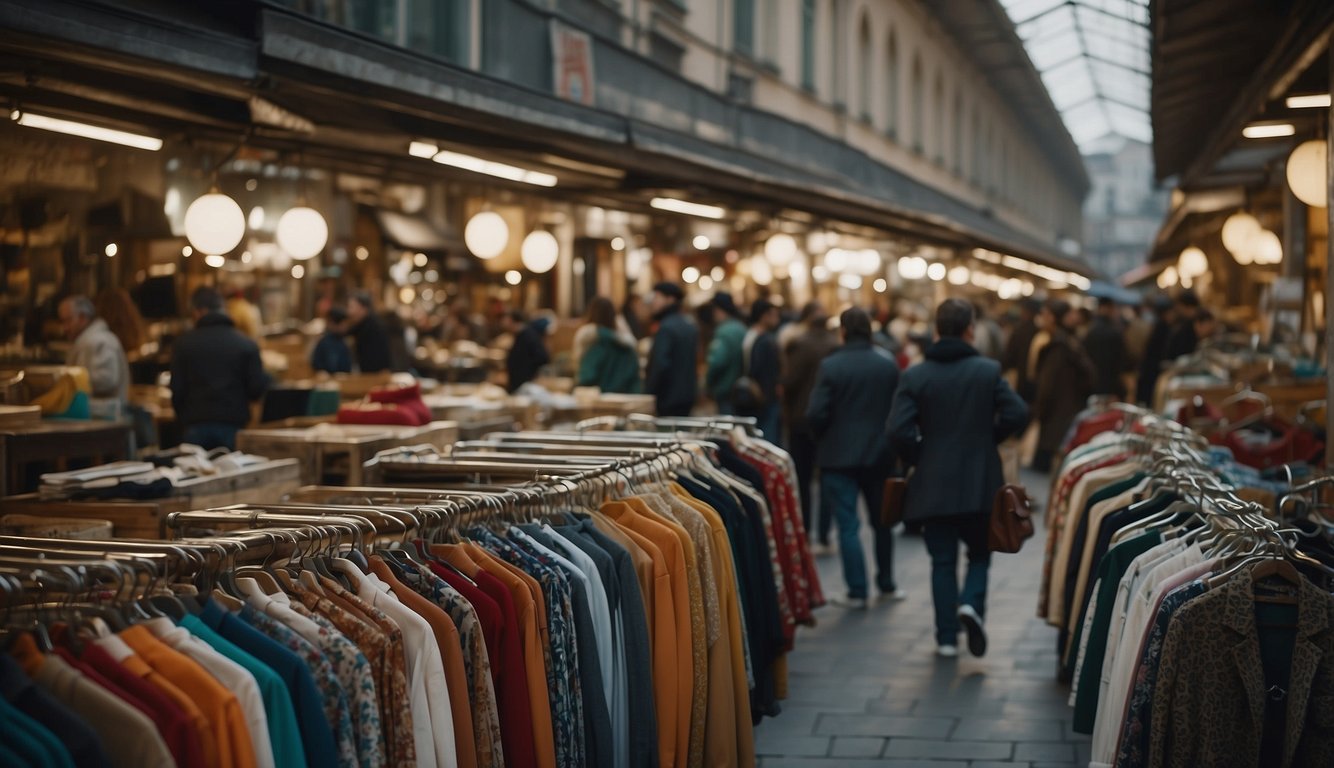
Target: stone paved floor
(865, 688)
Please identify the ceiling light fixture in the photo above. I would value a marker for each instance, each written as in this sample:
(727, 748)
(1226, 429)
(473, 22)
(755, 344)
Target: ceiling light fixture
(687, 208)
(1308, 101)
(422, 149)
(492, 168)
(1268, 130)
(86, 131)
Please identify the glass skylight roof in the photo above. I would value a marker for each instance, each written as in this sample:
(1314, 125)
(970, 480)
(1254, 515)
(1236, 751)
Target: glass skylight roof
(1093, 56)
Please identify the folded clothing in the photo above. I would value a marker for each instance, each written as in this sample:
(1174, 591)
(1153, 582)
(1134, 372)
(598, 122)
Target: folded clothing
(406, 397)
(388, 414)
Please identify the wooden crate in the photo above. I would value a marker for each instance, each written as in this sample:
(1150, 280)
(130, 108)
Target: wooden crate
(146, 519)
(341, 449)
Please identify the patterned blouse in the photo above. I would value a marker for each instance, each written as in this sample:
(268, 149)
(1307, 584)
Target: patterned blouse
(336, 709)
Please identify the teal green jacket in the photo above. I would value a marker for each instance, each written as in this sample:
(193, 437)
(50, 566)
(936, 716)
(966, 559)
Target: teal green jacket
(611, 364)
(724, 363)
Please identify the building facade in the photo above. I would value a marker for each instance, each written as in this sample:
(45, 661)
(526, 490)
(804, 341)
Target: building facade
(1124, 208)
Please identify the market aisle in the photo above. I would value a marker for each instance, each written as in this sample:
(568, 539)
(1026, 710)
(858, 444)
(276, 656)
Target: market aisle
(867, 689)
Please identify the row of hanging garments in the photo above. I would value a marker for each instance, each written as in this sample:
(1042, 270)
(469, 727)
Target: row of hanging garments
(1194, 598)
(536, 599)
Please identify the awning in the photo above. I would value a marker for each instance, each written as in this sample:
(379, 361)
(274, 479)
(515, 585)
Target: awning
(413, 233)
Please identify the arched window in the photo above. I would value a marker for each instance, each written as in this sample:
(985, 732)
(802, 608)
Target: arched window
(892, 92)
(939, 124)
(837, 56)
(743, 26)
(808, 44)
(864, 68)
(958, 132)
(918, 105)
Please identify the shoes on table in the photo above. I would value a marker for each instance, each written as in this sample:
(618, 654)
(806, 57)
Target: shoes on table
(972, 624)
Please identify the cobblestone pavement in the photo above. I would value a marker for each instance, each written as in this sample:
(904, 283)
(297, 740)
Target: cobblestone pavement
(866, 689)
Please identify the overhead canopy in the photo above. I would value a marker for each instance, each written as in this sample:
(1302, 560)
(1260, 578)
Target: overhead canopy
(1221, 64)
(1094, 59)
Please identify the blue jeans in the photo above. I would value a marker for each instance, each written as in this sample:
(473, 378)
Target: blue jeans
(210, 435)
(839, 491)
(942, 542)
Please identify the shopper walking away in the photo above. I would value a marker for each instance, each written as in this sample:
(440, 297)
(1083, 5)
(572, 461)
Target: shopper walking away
(331, 354)
(801, 358)
(1183, 339)
(760, 363)
(1017, 348)
(849, 406)
(672, 368)
(1155, 351)
(610, 361)
(98, 350)
(1064, 381)
(1105, 344)
(215, 374)
(949, 415)
(528, 353)
(368, 334)
(723, 365)
(990, 339)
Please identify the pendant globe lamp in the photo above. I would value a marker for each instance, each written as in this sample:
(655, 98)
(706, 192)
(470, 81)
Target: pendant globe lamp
(302, 232)
(214, 224)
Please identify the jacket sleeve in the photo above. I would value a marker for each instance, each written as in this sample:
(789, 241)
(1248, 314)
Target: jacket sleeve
(256, 380)
(103, 366)
(1011, 413)
(821, 403)
(659, 361)
(904, 434)
(716, 365)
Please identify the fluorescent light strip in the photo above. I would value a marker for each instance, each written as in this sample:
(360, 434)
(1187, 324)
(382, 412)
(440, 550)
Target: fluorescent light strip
(424, 149)
(490, 168)
(689, 209)
(1268, 130)
(87, 131)
(1309, 101)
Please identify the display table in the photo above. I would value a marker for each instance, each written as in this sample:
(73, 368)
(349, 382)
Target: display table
(144, 519)
(58, 442)
(341, 450)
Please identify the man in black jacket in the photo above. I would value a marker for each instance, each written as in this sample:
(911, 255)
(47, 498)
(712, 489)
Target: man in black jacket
(529, 352)
(800, 363)
(1105, 344)
(849, 405)
(369, 334)
(950, 413)
(215, 374)
(672, 361)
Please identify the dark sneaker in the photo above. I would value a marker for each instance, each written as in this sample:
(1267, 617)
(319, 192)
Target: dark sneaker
(972, 624)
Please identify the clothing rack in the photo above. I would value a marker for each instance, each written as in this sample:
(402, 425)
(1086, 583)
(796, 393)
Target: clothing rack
(732, 526)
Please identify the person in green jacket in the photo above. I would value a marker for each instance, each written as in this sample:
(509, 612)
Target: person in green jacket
(611, 361)
(725, 352)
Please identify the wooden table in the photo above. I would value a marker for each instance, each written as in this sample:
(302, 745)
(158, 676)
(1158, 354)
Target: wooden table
(317, 447)
(145, 519)
(58, 442)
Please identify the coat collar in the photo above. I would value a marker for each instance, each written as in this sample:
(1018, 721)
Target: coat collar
(214, 318)
(949, 349)
(1238, 613)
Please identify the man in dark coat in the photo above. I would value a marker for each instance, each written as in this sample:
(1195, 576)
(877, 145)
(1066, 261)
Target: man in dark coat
(759, 356)
(216, 373)
(369, 334)
(1019, 346)
(529, 352)
(1183, 339)
(801, 358)
(672, 360)
(1155, 351)
(849, 405)
(950, 413)
(1064, 382)
(1105, 344)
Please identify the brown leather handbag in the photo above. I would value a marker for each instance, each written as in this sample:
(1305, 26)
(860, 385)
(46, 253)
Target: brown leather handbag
(1011, 519)
(891, 504)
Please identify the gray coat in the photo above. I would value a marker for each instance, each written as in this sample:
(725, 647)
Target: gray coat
(950, 413)
(850, 402)
(98, 350)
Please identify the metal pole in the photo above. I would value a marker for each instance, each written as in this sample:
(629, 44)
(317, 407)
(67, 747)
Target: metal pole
(1329, 270)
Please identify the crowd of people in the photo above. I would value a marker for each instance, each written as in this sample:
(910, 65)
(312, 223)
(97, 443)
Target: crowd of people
(855, 400)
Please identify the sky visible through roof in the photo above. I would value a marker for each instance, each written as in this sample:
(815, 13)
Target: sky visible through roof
(1094, 58)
